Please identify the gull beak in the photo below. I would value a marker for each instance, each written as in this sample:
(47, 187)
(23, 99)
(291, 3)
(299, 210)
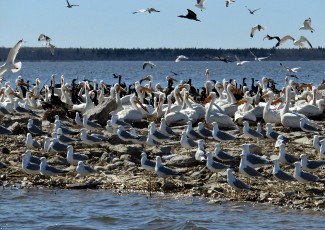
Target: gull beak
(207, 99)
(137, 100)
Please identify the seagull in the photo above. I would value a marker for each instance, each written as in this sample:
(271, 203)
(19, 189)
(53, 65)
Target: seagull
(270, 133)
(126, 136)
(200, 4)
(228, 2)
(301, 42)
(291, 70)
(44, 38)
(78, 119)
(30, 143)
(164, 129)
(215, 166)
(162, 170)
(283, 40)
(310, 165)
(90, 125)
(181, 58)
(63, 139)
(256, 58)
(286, 158)
(220, 135)
(190, 15)
(146, 163)
(234, 182)
(252, 11)
(280, 140)
(149, 10)
(254, 160)
(204, 132)
(279, 174)
(75, 158)
(157, 135)
(302, 176)
(84, 170)
(69, 5)
(307, 25)
(240, 63)
(316, 143)
(187, 143)
(31, 158)
(10, 62)
(200, 152)
(5, 131)
(260, 129)
(257, 27)
(65, 130)
(247, 170)
(48, 170)
(307, 127)
(148, 63)
(29, 167)
(191, 133)
(250, 133)
(33, 129)
(223, 156)
(89, 139)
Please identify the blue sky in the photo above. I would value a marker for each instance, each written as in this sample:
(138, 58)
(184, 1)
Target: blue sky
(111, 24)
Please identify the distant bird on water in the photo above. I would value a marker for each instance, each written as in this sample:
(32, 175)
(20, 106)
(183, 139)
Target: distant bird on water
(69, 5)
(307, 25)
(252, 11)
(148, 63)
(149, 10)
(291, 70)
(181, 58)
(190, 15)
(10, 62)
(257, 27)
(200, 4)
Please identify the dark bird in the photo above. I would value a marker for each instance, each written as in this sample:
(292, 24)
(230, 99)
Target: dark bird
(45, 39)
(190, 15)
(252, 11)
(268, 37)
(219, 58)
(69, 5)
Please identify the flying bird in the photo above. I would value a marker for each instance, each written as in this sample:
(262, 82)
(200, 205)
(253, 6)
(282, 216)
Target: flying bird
(283, 40)
(268, 37)
(291, 70)
(301, 42)
(52, 47)
(10, 62)
(239, 62)
(307, 25)
(69, 5)
(44, 38)
(257, 27)
(228, 2)
(252, 11)
(200, 4)
(181, 58)
(148, 63)
(190, 15)
(149, 10)
(220, 58)
(258, 58)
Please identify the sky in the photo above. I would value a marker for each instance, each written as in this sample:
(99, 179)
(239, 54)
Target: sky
(111, 24)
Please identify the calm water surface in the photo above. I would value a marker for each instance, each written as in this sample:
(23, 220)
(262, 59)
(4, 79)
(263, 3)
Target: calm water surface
(99, 209)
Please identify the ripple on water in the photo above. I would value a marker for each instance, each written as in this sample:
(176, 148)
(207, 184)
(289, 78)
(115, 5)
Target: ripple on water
(105, 219)
(68, 227)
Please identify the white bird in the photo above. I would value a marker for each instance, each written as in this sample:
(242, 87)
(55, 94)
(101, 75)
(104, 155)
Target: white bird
(215, 166)
(162, 170)
(10, 62)
(75, 158)
(84, 170)
(236, 183)
(29, 167)
(200, 152)
(282, 40)
(149, 10)
(302, 176)
(31, 143)
(180, 58)
(44, 38)
(200, 4)
(148, 63)
(307, 25)
(258, 58)
(239, 62)
(47, 170)
(257, 27)
(228, 2)
(310, 165)
(301, 42)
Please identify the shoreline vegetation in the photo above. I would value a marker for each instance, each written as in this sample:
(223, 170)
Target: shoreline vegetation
(161, 54)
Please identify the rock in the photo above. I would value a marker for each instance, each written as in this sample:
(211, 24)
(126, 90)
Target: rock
(255, 149)
(126, 157)
(91, 185)
(5, 150)
(2, 165)
(58, 160)
(105, 157)
(101, 113)
(17, 128)
(182, 161)
(169, 186)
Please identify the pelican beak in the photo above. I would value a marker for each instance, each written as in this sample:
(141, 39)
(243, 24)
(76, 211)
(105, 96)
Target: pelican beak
(207, 99)
(104, 85)
(145, 89)
(189, 97)
(137, 100)
(120, 88)
(276, 101)
(265, 96)
(148, 78)
(15, 94)
(87, 86)
(181, 87)
(242, 101)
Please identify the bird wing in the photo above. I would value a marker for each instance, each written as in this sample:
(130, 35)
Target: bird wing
(237, 58)
(256, 10)
(286, 38)
(307, 23)
(253, 54)
(304, 39)
(13, 52)
(295, 69)
(253, 30)
(191, 14)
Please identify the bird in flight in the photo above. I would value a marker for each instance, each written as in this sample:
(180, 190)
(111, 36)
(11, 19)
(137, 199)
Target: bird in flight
(252, 11)
(257, 27)
(149, 10)
(228, 2)
(69, 5)
(258, 58)
(220, 58)
(239, 62)
(149, 63)
(301, 42)
(190, 15)
(181, 58)
(307, 25)
(10, 62)
(45, 39)
(200, 4)
(291, 70)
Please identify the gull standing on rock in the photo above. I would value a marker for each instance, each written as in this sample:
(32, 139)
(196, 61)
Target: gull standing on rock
(30, 143)
(251, 133)
(307, 127)
(234, 182)
(164, 171)
(89, 139)
(29, 167)
(204, 132)
(254, 160)
(187, 143)
(302, 176)
(63, 139)
(90, 125)
(48, 170)
(84, 170)
(310, 165)
(222, 155)
(286, 158)
(200, 152)
(247, 170)
(5, 131)
(34, 129)
(146, 163)
(215, 166)
(220, 135)
(279, 174)
(74, 158)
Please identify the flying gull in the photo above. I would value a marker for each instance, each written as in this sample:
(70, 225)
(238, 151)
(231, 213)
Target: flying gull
(149, 10)
(10, 62)
(200, 4)
(255, 28)
(70, 5)
(229, 2)
(307, 25)
(310, 165)
(239, 62)
(252, 11)
(181, 58)
(291, 70)
(257, 58)
(148, 63)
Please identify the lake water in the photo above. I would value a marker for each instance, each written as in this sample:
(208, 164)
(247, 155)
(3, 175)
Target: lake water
(311, 71)
(100, 209)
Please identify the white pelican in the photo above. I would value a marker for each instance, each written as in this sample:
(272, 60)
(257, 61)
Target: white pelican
(257, 27)
(270, 115)
(307, 25)
(231, 107)
(83, 107)
(132, 113)
(245, 111)
(174, 117)
(10, 62)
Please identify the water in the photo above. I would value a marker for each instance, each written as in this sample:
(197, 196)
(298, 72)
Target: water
(100, 209)
(310, 72)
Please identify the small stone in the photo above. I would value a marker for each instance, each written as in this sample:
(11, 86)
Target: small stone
(5, 150)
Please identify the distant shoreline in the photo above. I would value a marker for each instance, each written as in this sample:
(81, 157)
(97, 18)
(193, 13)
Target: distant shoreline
(161, 54)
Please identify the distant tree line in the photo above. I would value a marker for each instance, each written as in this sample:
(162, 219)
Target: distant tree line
(161, 54)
